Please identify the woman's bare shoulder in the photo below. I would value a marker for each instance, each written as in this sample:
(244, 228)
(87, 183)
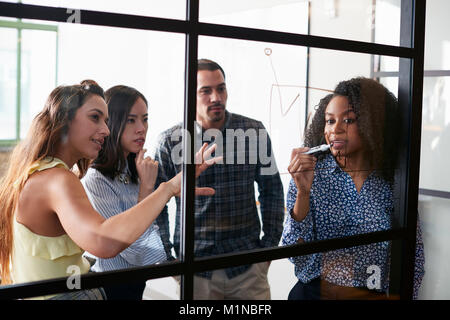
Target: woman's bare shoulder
(53, 180)
(35, 200)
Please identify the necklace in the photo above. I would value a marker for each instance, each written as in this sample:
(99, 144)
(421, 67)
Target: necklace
(124, 178)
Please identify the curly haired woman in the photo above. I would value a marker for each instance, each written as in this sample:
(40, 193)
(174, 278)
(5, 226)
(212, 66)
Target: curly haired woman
(346, 191)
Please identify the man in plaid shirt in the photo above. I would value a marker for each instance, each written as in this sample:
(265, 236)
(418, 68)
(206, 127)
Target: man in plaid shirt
(228, 221)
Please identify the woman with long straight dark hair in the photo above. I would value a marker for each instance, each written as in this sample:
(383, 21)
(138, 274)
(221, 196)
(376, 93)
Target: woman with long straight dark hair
(120, 178)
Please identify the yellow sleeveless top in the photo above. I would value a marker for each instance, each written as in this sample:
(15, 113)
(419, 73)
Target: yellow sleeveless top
(36, 257)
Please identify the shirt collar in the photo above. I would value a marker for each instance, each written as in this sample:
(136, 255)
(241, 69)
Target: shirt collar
(330, 165)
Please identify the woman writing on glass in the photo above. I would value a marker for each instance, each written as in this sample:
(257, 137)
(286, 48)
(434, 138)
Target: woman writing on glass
(346, 191)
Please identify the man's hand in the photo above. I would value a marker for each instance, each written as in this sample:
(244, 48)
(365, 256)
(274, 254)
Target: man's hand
(201, 165)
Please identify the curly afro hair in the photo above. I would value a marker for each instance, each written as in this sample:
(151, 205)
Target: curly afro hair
(378, 120)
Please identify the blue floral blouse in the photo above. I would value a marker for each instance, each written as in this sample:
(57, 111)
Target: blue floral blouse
(338, 210)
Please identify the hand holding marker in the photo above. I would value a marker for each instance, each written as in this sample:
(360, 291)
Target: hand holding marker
(321, 148)
(302, 168)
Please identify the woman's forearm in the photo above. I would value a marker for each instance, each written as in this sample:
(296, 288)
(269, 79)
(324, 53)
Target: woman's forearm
(144, 191)
(120, 231)
(301, 207)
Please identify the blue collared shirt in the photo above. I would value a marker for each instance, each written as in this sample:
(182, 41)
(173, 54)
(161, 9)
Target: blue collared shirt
(111, 197)
(338, 210)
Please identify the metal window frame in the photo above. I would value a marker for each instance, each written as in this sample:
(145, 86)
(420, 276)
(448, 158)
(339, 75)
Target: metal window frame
(410, 52)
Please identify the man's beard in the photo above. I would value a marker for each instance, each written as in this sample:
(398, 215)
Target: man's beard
(216, 116)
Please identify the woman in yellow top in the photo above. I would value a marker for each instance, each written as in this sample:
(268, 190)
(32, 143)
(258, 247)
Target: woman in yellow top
(46, 219)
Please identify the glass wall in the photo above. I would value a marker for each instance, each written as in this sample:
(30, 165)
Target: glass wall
(276, 84)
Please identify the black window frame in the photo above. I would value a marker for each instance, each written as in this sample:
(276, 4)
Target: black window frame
(411, 54)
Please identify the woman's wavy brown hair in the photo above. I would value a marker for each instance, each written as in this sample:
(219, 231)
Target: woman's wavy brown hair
(378, 120)
(44, 136)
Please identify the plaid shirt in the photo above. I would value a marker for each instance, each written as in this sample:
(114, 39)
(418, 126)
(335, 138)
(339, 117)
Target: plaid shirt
(228, 221)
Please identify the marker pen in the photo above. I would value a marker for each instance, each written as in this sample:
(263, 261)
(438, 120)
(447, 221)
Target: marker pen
(321, 148)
